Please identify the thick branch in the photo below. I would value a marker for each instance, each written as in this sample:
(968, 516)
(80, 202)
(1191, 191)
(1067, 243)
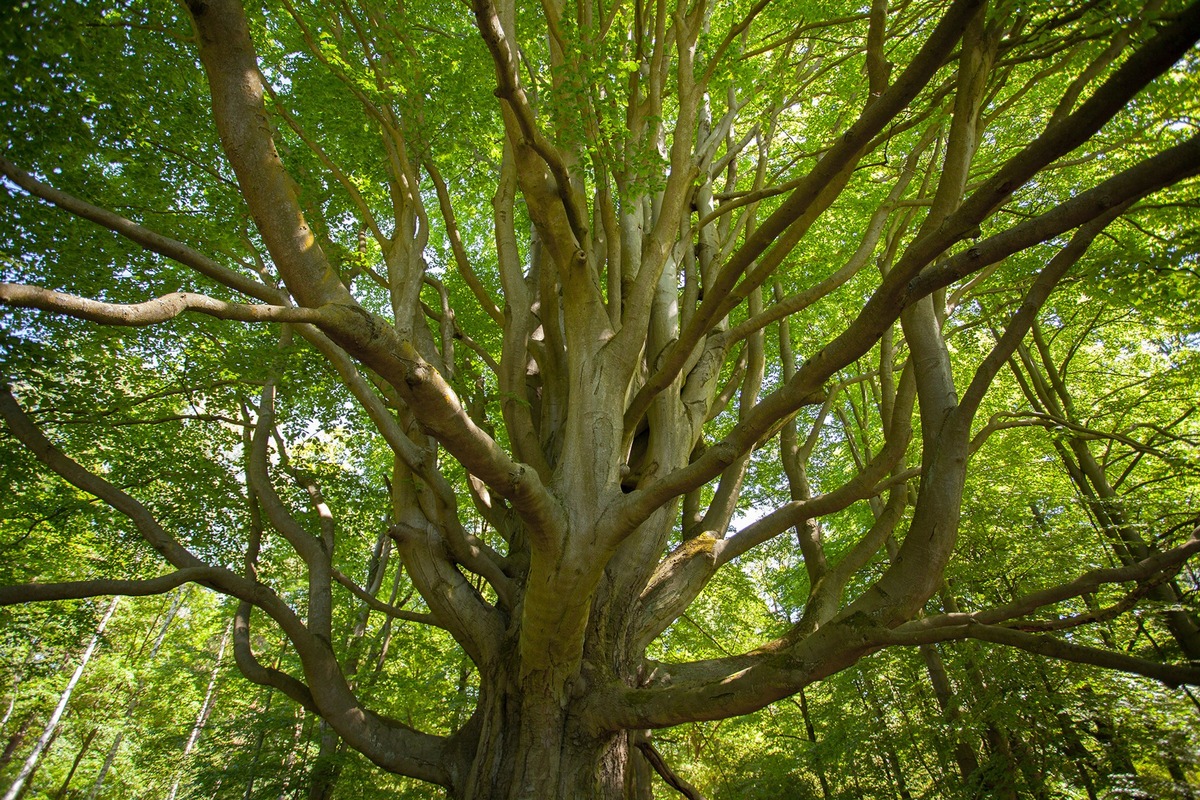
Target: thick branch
(241, 118)
(77, 590)
(150, 312)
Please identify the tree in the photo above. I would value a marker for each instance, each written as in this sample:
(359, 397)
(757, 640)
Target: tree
(712, 307)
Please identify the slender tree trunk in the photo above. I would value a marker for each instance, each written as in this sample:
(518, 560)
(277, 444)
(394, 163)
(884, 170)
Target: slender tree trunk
(1001, 772)
(29, 780)
(18, 676)
(1077, 752)
(964, 754)
(109, 758)
(1119, 759)
(289, 760)
(135, 698)
(1179, 776)
(205, 710)
(818, 761)
(326, 769)
(83, 748)
(48, 732)
(892, 763)
(259, 741)
(16, 740)
(1035, 777)
(998, 778)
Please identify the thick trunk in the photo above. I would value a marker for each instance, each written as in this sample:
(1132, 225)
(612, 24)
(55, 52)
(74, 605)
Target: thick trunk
(531, 746)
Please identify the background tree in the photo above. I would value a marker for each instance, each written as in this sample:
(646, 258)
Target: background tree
(469, 351)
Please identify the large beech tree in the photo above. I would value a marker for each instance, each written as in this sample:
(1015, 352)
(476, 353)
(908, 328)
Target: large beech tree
(589, 273)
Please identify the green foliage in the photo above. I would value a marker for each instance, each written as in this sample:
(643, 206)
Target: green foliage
(166, 413)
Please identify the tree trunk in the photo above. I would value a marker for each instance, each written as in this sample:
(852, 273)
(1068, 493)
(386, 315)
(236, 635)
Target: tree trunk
(1079, 755)
(29, 779)
(83, 748)
(964, 754)
(818, 761)
(325, 770)
(891, 759)
(51, 728)
(15, 741)
(533, 749)
(135, 698)
(205, 710)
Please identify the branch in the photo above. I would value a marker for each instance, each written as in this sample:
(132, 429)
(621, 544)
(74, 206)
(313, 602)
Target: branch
(1148, 569)
(475, 624)
(29, 435)
(229, 59)
(782, 230)
(508, 88)
(685, 572)
(77, 590)
(668, 775)
(900, 290)
(1041, 419)
(1173, 675)
(723, 687)
(176, 554)
(458, 250)
(150, 312)
(235, 83)
(151, 240)
(253, 669)
(339, 175)
(1020, 323)
(379, 605)
(1164, 169)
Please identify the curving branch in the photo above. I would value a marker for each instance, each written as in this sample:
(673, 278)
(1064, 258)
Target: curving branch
(461, 259)
(78, 590)
(151, 312)
(141, 235)
(685, 572)
(900, 289)
(1173, 675)
(388, 743)
(1149, 569)
(475, 624)
(256, 672)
